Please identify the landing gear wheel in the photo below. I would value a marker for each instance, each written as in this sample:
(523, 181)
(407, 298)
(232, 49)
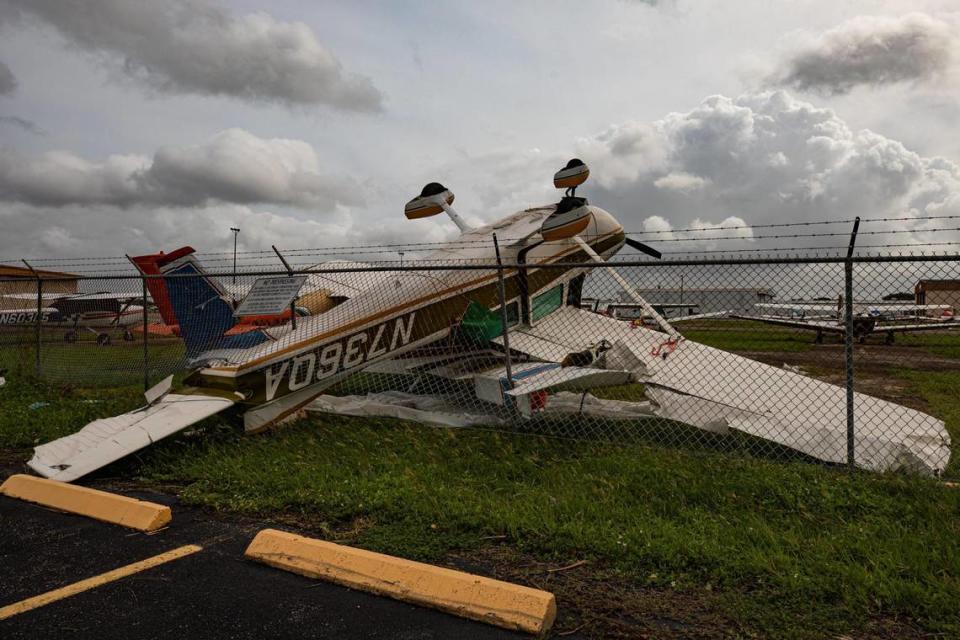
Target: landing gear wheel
(103, 339)
(70, 337)
(889, 338)
(128, 336)
(819, 338)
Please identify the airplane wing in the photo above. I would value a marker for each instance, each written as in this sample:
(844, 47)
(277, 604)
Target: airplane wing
(563, 379)
(719, 391)
(453, 364)
(796, 306)
(910, 328)
(46, 297)
(339, 284)
(345, 284)
(887, 306)
(485, 370)
(109, 439)
(827, 326)
(99, 295)
(700, 316)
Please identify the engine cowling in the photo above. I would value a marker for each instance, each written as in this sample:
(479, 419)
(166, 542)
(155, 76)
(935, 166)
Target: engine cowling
(574, 174)
(429, 202)
(571, 217)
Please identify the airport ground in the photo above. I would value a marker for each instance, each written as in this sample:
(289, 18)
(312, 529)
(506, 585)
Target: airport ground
(635, 540)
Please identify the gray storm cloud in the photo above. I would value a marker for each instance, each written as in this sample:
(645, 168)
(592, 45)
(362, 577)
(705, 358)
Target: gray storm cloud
(869, 50)
(233, 166)
(8, 82)
(194, 46)
(23, 124)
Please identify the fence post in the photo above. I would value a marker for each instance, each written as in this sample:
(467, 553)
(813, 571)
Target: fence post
(37, 320)
(503, 313)
(286, 265)
(848, 343)
(146, 350)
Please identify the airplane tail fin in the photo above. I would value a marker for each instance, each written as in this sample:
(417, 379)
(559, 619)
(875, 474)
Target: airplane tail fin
(150, 265)
(197, 303)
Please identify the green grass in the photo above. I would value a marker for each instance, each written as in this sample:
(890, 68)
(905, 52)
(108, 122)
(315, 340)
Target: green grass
(86, 364)
(743, 335)
(633, 392)
(795, 549)
(33, 413)
(946, 345)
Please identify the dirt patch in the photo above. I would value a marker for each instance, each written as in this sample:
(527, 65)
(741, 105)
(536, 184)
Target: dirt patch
(867, 357)
(872, 364)
(593, 601)
(596, 601)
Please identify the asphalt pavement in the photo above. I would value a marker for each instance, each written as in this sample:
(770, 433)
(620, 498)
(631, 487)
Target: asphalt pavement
(214, 593)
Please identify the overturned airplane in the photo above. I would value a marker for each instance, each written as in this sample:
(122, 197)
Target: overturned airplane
(516, 342)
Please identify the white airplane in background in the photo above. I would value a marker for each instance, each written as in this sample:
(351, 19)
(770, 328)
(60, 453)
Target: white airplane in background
(95, 312)
(888, 318)
(638, 315)
(510, 344)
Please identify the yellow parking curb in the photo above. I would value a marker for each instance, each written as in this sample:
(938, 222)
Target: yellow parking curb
(100, 505)
(500, 603)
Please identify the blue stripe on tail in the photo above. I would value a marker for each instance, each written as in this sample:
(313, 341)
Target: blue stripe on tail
(203, 315)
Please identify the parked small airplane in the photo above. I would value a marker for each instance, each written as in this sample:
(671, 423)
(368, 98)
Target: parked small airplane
(888, 318)
(94, 312)
(636, 313)
(508, 337)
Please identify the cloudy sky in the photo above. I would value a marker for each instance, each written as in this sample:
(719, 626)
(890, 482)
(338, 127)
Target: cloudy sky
(132, 126)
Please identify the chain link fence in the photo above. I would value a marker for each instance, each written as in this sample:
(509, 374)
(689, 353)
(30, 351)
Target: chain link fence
(842, 360)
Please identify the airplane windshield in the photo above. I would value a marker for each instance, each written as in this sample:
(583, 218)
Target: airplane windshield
(547, 302)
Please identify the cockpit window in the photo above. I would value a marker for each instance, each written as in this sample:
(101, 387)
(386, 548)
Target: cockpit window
(547, 302)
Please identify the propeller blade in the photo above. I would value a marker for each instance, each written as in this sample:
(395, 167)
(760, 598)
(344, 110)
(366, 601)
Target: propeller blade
(639, 246)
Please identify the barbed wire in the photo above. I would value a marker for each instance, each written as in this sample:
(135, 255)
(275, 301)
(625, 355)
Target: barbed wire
(795, 224)
(260, 256)
(781, 236)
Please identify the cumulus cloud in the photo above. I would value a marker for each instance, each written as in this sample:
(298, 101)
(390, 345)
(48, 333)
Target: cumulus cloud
(767, 158)
(8, 82)
(233, 166)
(194, 46)
(680, 181)
(869, 50)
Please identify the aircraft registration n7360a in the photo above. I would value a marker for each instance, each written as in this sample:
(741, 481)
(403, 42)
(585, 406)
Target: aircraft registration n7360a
(515, 340)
